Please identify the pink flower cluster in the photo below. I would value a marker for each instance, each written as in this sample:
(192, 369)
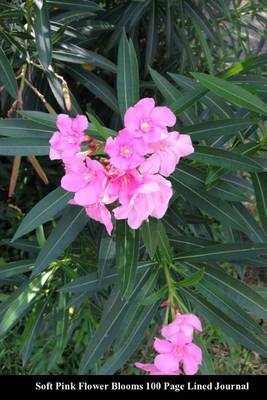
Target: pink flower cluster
(140, 157)
(177, 348)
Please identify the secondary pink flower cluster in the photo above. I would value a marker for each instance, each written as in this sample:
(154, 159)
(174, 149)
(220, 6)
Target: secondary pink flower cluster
(177, 348)
(140, 157)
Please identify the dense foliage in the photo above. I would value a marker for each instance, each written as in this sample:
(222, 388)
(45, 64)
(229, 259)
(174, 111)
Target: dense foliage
(66, 286)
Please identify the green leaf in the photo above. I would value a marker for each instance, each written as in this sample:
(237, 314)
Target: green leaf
(77, 55)
(127, 251)
(70, 225)
(164, 247)
(205, 46)
(260, 187)
(152, 36)
(102, 131)
(16, 268)
(224, 252)
(214, 103)
(238, 332)
(232, 93)
(106, 256)
(32, 329)
(18, 303)
(170, 93)
(95, 85)
(155, 297)
(149, 232)
(215, 129)
(24, 147)
(207, 367)
(7, 76)
(199, 17)
(136, 308)
(42, 33)
(127, 75)
(193, 280)
(42, 118)
(231, 308)
(114, 363)
(223, 189)
(237, 290)
(225, 159)
(20, 128)
(61, 330)
(90, 283)
(108, 329)
(43, 211)
(185, 101)
(212, 205)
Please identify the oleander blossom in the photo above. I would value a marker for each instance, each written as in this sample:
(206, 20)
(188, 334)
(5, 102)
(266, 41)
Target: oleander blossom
(176, 352)
(66, 142)
(129, 181)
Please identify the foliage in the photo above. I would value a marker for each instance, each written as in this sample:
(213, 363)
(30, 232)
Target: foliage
(62, 276)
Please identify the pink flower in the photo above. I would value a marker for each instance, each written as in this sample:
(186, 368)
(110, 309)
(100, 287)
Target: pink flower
(67, 140)
(122, 185)
(151, 198)
(100, 213)
(153, 370)
(177, 348)
(182, 328)
(125, 151)
(87, 181)
(147, 121)
(167, 153)
(172, 355)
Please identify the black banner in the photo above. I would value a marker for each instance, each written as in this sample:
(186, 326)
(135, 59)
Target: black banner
(45, 384)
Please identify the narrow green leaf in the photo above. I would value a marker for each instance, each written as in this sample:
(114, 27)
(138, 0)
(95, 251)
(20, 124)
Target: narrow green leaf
(240, 292)
(233, 93)
(224, 252)
(95, 85)
(106, 256)
(15, 268)
(7, 76)
(13, 309)
(90, 283)
(70, 225)
(42, 32)
(215, 129)
(24, 147)
(127, 75)
(20, 128)
(260, 187)
(109, 326)
(212, 205)
(77, 55)
(152, 36)
(238, 332)
(43, 211)
(149, 232)
(114, 363)
(32, 329)
(42, 118)
(225, 159)
(61, 330)
(127, 251)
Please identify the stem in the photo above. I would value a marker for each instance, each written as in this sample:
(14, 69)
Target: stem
(40, 235)
(41, 97)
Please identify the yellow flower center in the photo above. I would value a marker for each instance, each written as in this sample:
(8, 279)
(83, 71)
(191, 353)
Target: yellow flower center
(125, 152)
(145, 126)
